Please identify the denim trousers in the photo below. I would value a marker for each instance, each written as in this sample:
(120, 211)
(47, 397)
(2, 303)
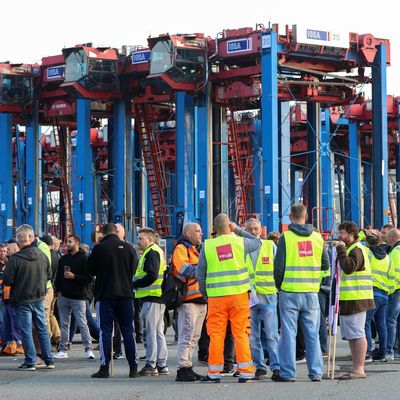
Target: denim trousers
(379, 315)
(302, 307)
(26, 314)
(264, 314)
(392, 313)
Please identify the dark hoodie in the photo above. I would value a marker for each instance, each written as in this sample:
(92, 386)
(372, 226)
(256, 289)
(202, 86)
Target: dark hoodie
(76, 288)
(27, 272)
(280, 257)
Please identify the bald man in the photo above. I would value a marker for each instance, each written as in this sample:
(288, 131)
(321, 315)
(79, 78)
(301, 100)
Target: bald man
(223, 276)
(192, 312)
(393, 308)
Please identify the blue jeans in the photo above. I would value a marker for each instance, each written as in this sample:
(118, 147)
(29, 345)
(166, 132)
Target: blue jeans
(393, 311)
(379, 314)
(302, 307)
(323, 299)
(26, 313)
(265, 313)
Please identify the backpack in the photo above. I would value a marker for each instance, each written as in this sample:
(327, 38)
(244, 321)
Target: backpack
(173, 290)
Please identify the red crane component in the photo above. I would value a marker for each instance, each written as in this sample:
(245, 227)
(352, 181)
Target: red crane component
(156, 177)
(179, 62)
(241, 158)
(91, 72)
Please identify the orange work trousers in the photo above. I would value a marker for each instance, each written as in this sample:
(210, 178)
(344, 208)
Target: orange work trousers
(236, 309)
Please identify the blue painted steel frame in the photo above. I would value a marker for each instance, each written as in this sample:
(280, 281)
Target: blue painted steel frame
(185, 160)
(6, 177)
(353, 177)
(257, 166)
(284, 162)
(32, 154)
(20, 184)
(269, 129)
(327, 168)
(83, 206)
(380, 141)
(203, 161)
(367, 193)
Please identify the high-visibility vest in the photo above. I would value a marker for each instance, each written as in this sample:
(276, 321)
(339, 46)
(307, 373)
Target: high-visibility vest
(227, 272)
(395, 257)
(154, 289)
(303, 262)
(262, 277)
(381, 273)
(358, 285)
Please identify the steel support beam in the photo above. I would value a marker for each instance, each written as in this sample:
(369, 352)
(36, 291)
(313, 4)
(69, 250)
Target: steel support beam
(32, 157)
(185, 161)
(380, 143)
(284, 162)
(204, 188)
(20, 179)
(257, 166)
(367, 192)
(83, 205)
(327, 172)
(269, 129)
(6, 178)
(313, 182)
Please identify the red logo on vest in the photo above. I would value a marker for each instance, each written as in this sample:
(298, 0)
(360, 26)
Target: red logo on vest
(265, 260)
(305, 249)
(224, 252)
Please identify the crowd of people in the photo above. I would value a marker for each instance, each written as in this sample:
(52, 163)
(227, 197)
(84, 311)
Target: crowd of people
(247, 300)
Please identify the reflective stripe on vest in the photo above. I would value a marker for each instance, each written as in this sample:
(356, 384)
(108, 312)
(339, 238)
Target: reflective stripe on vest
(358, 285)
(395, 256)
(154, 289)
(380, 270)
(303, 262)
(264, 274)
(227, 273)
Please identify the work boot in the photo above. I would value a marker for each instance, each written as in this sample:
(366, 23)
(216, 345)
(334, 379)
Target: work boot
(184, 375)
(133, 372)
(10, 349)
(103, 372)
(197, 376)
(261, 373)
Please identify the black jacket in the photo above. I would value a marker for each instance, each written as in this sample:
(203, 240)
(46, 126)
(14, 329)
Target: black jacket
(76, 288)
(280, 257)
(113, 263)
(54, 262)
(27, 272)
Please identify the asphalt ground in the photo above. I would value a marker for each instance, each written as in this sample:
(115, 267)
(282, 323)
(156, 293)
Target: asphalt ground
(71, 380)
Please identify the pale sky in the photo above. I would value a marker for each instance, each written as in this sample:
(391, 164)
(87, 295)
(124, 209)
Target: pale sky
(33, 29)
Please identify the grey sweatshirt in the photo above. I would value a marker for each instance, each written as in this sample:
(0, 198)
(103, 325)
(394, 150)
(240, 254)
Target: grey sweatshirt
(251, 244)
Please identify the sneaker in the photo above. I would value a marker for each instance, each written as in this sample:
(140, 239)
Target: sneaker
(315, 378)
(380, 359)
(27, 367)
(389, 356)
(49, 365)
(118, 356)
(261, 372)
(90, 355)
(103, 372)
(207, 379)
(133, 372)
(255, 379)
(197, 376)
(397, 356)
(278, 378)
(163, 370)
(61, 354)
(227, 371)
(301, 360)
(184, 375)
(148, 370)
(275, 374)
(368, 358)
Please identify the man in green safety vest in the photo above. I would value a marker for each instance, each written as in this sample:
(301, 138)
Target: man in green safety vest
(393, 309)
(300, 258)
(356, 295)
(383, 281)
(147, 284)
(263, 314)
